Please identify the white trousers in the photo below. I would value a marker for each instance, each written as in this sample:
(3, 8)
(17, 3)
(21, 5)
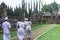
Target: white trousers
(6, 36)
(20, 37)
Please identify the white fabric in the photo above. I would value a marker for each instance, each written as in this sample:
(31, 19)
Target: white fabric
(26, 19)
(28, 33)
(6, 25)
(28, 25)
(6, 36)
(21, 33)
(20, 30)
(6, 32)
(6, 18)
(20, 24)
(28, 28)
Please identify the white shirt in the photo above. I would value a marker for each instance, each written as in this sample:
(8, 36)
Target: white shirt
(20, 24)
(28, 25)
(20, 31)
(6, 25)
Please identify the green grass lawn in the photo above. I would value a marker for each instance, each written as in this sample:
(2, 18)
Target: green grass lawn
(13, 33)
(53, 34)
(34, 28)
(39, 26)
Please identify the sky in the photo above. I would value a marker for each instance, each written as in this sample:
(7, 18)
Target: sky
(14, 3)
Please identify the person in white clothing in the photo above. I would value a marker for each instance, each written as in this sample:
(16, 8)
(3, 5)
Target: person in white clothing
(28, 28)
(21, 33)
(20, 29)
(6, 29)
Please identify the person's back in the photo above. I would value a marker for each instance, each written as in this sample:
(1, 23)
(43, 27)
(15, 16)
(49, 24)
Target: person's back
(6, 25)
(20, 24)
(20, 30)
(6, 29)
(28, 28)
(28, 25)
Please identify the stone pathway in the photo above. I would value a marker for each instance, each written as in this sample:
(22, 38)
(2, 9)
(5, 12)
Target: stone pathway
(38, 32)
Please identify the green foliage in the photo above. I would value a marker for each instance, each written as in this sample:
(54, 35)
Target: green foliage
(50, 7)
(55, 6)
(9, 11)
(30, 11)
(23, 4)
(47, 8)
(17, 11)
(26, 14)
(59, 5)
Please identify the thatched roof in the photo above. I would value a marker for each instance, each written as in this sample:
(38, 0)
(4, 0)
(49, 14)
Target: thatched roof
(47, 14)
(50, 14)
(58, 14)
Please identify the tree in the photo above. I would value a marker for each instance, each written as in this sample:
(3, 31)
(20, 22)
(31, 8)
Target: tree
(47, 8)
(3, 5)
(55, 6)
(59, 5)
(30, 12)
(23, 9)
(34, 6)
(17, 11)
(26, 14)
(3, 9)
(55, 9)
(10, 11)
(36, 9)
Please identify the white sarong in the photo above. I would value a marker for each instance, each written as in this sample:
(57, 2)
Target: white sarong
(6, 36)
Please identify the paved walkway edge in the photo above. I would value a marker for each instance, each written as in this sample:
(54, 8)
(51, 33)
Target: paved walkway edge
(44, 32)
